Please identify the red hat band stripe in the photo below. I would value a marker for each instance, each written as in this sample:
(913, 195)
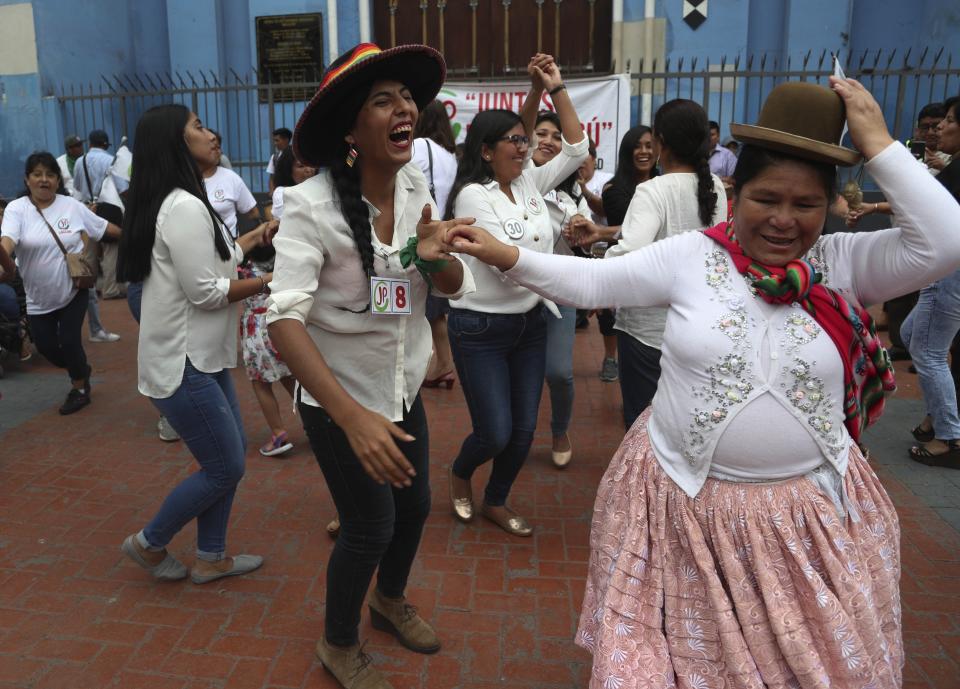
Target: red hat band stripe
(361, 53)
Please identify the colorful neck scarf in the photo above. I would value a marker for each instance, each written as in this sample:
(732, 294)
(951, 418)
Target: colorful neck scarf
(867, 373)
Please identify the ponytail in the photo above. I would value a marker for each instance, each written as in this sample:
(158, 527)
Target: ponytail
(346, 181)
(706, 194)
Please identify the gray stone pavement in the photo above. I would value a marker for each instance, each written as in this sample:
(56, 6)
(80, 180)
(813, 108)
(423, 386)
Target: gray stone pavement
(890, 440)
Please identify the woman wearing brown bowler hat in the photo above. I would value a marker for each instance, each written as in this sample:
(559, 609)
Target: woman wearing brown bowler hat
(740, 539)
(357, 252)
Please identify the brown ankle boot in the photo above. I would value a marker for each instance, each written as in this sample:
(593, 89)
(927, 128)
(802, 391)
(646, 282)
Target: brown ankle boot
(351, 666)
(396, 616)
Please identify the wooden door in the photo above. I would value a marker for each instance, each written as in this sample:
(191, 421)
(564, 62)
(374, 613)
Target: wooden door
(495, 38)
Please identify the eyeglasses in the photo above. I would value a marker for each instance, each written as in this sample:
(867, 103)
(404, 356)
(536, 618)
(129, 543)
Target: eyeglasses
(518, 140)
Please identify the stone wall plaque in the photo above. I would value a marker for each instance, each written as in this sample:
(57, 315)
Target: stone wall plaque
(289, 51)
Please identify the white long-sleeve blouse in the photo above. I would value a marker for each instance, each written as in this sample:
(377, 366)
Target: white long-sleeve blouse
(185, 311)
(725, 349)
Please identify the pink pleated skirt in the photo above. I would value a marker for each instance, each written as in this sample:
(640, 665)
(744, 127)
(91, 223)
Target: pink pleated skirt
(746, 586)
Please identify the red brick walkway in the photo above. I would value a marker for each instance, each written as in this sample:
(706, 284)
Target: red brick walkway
(75, 614)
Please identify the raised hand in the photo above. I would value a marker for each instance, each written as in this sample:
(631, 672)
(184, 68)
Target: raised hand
(432, 235)
(535, 69)
(868, 130)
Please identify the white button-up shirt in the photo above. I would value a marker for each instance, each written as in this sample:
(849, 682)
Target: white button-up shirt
(318, 279)
(523, 222)
(185, 311)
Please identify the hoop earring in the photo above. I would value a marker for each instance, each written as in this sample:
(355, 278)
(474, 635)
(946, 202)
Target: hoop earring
(352, 155)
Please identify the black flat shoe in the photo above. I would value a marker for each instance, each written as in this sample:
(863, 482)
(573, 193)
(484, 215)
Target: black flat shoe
(76, 400)
(949, 459)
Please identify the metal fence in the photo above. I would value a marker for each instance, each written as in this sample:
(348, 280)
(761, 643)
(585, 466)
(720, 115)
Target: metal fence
(245, 110)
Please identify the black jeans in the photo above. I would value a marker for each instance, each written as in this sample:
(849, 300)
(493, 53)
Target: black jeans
(639, 373)
(59, 337)
(379, 525)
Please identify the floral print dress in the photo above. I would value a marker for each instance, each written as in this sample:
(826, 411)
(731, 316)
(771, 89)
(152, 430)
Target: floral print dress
(260, 357)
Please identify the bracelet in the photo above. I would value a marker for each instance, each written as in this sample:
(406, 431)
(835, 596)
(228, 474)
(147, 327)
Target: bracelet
(408, 254)
(263, 285)
(557, 89)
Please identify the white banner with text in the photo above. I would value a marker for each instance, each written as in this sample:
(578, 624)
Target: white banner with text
(603, 104)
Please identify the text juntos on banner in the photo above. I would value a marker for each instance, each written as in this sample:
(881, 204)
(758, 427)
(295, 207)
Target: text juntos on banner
(603, 104)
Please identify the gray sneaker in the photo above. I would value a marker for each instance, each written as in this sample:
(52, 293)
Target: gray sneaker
(166, 432)
(609, 372)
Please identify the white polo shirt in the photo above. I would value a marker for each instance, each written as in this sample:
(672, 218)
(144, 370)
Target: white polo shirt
(45, 276)
(229, 195)
(523, 222)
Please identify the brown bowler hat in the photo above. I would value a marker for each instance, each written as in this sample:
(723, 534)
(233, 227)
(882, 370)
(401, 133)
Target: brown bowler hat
(802, 119)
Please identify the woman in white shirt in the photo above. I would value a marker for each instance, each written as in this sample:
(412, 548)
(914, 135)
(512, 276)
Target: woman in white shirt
(357, 253)
(39, 227)
(498, 334)
(178, 246)
(226, 190)
(740, 538)
(686, 196)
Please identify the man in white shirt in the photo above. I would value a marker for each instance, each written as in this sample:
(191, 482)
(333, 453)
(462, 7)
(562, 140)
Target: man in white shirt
(281, 139)
(74, 147)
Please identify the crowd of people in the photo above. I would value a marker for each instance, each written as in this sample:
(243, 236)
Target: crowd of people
(722, 554)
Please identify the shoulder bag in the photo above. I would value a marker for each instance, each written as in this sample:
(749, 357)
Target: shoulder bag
(79, 265)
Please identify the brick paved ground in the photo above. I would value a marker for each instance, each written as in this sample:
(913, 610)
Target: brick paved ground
(75, 614)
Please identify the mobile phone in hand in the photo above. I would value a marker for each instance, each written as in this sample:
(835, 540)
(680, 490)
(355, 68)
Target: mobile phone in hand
(917, 148)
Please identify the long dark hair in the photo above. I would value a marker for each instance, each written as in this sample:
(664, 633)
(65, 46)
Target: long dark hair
(682, 126)
(487, 128)
(625, 176)
(753, 160)
(45, 159)
(283, 168)
(569, 185)
(434, 124)
(161, 163)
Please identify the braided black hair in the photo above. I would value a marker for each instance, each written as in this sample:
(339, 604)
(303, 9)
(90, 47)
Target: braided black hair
(682, 126)
(706, 194)
(346, 181)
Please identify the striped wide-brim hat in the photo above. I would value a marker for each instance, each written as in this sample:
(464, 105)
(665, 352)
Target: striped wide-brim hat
(320, 131)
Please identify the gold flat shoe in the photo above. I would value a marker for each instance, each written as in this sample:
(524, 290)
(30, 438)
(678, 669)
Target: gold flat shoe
(462, 507)
(512, 523)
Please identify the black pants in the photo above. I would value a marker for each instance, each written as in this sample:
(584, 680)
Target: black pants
(59, 337)
(639, 373)
(606, 319)
(379, 525)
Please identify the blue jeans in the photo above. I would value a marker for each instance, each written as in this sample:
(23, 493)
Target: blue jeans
(639, 375)
(9, 306)
(560, 334)
(380, 526)
(205, 412)
(93, 313)
(928, 333)
(134, 298)
(501, 360)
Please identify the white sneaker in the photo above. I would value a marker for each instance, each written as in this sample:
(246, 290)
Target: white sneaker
(104, 336)
(166, 432)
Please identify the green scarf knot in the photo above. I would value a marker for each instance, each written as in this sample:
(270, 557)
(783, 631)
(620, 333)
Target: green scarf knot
(408, 255)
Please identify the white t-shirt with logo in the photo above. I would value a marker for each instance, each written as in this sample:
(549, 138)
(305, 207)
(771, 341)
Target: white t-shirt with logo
(45, 276)
(229, 195)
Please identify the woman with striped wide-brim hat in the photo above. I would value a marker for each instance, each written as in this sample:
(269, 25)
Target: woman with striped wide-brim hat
(357, 252)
